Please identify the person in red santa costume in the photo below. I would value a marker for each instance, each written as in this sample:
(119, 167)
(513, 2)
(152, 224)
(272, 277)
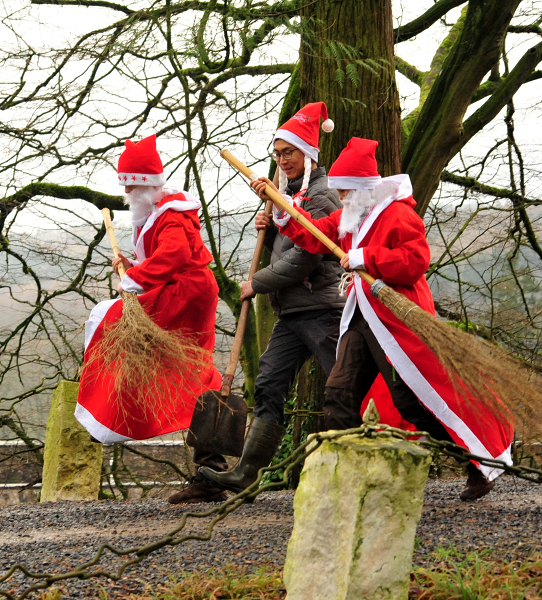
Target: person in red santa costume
(382, 235)
(175, 287)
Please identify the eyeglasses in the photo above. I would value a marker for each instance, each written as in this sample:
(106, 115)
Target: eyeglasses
(286, 155)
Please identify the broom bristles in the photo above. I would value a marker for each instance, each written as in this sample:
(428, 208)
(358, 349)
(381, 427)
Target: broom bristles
(476, 367)
(151, 368)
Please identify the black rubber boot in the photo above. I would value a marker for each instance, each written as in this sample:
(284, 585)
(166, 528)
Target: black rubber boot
(263, 439)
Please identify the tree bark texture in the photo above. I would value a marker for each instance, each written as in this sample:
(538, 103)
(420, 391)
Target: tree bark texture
(369, 109)
(438, 133)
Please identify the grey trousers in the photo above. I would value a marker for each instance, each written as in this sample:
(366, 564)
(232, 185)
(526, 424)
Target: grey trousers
(295, 338)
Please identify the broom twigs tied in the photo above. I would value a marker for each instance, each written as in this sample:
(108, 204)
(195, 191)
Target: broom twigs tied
(479, 370)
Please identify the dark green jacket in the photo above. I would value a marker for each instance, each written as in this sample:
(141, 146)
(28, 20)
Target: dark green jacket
(297, 280)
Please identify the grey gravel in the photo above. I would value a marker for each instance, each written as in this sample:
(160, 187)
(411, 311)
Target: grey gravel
(56, 537)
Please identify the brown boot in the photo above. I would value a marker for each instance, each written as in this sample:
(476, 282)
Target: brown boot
(199, 490)
(477, 485)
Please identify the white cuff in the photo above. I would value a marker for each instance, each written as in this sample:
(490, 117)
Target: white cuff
(133, 262)
(355, 258)
(130, 286)
(280, 216)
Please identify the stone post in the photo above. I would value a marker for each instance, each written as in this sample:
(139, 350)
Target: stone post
(72, 463)
(355, 516)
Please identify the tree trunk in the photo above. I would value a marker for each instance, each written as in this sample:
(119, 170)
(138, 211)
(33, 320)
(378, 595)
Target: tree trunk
(370, 108)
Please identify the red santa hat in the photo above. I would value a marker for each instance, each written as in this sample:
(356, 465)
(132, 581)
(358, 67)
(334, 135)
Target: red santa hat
(356, 167)
(303, 129)
(140, 164)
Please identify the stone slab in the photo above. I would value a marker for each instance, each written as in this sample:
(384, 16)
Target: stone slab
(72, 463)
(355, 515)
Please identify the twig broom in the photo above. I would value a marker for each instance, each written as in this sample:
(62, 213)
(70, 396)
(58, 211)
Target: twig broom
(150, 366)
(476, 367)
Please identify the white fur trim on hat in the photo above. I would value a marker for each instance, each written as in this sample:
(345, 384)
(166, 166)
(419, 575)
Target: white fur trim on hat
(353, 183)
(140, 179)
(300, 144)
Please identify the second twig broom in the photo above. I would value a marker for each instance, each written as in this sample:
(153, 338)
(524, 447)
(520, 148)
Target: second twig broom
(149, 365)
(475, 367)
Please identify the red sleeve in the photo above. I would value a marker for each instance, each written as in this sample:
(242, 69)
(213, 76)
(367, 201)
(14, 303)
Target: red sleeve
(172, 254)
(329, 226)
(398, 251)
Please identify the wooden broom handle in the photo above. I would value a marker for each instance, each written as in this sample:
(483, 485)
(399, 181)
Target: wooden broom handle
(280, 202)
(229, 373)
(112, 239)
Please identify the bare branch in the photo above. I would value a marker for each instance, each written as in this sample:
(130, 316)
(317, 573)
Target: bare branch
(438, 10)
(525, 29)
(97, 3)
(409, 71)
(489, 87)
(471, 184)
(502, 95)
(54, 190)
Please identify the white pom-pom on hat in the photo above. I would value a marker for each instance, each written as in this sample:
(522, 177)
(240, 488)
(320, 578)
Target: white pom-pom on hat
(328, 125)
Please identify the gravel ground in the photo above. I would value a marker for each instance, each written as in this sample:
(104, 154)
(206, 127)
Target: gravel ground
(56, 537)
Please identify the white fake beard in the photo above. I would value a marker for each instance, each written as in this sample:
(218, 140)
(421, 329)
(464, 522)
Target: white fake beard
(354, 205)
(142, 201)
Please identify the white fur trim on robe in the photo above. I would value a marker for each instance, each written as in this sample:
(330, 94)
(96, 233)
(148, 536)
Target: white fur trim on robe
(96, 429)
(95, 318)
(281, 221)
(131, 286)
(355, 258)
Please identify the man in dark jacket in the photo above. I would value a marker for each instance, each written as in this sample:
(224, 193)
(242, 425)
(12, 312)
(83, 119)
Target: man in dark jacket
(303, 290)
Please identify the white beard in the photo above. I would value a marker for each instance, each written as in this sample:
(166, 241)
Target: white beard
(354, 205)
(357, 202)
(142, 201)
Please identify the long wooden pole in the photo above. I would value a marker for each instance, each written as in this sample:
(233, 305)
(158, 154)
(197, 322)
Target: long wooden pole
(113, 240)
(229, 373)
(279, 201)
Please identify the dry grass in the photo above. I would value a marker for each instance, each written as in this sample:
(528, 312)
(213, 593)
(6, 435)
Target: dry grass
(152, 367)
(476, 367)
(475, 578)
(230, 583)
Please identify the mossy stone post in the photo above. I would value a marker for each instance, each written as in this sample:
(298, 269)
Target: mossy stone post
(356, 510)
(72, 464)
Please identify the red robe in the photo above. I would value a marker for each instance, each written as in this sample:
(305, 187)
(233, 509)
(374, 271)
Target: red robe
(178, 289)
(391, 245)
